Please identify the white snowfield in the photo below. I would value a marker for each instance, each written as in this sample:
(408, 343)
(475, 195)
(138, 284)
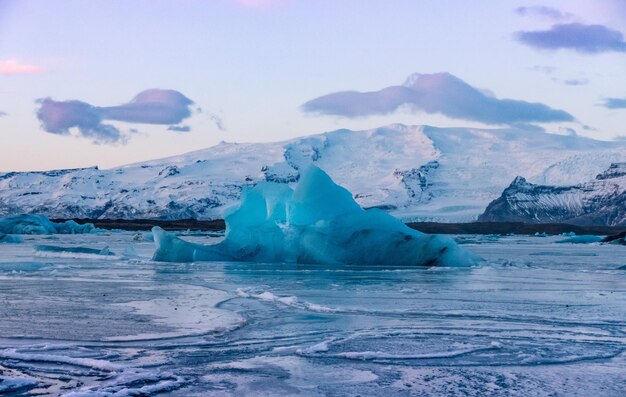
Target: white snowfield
(414, 172)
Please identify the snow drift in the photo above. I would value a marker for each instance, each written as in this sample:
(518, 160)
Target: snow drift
(318, 222)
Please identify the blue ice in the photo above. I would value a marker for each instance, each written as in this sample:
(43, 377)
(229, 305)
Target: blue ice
(75, 250)
(317, 223)
(8, 238)
(39, 224)
(583, 239)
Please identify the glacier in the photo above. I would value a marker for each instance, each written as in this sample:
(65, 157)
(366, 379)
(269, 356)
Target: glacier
(39, 224)
(318, 222)
(417, 173)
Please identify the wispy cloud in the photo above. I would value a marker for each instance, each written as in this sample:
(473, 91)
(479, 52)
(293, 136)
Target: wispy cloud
(13, 66)
(154, 106)
(546, 12)
(2, 114)
(543, 69)
(575, 82)
(588, 39)
(217, 120)
(440, 93)
(615, 103)
(179, 128)
(550, 71)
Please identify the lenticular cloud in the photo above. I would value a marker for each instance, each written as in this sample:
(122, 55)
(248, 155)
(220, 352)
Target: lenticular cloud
(440, 93)
(590, 39)
(153, 106)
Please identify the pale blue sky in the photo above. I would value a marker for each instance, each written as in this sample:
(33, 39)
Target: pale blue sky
(253, 63)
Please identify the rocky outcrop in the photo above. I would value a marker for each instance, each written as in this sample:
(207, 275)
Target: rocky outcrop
(601, 201)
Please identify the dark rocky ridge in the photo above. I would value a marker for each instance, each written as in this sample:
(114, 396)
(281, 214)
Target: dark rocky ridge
(601, 201)
(147, 224)
(426, 227)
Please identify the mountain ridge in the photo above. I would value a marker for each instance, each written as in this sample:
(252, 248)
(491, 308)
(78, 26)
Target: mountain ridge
(599, 201)
(419, 173)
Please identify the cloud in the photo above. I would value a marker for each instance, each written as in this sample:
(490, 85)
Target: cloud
(436, 93)
(13, 66)
(575, 82)
(615, 103)
(567, 131)
(547, 12)
(218, 122)
(154, 106)
(2, 114)
(543, 69)
(588, 39)
(549, 70)
(60, 117)
(179, 128)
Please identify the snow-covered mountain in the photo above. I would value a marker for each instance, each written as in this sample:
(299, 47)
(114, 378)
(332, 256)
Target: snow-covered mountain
(415, 172)
(601, 201)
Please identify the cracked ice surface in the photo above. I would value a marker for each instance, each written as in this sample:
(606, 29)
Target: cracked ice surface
(537, 318)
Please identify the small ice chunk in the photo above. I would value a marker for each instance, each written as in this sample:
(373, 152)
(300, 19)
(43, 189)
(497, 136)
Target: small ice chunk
(130, 252)
(318, 223)
(10, 239)
(317, 348)
(16, 384)
(584, 239)
(39, 224)
(22, 266)
(71, 227)
(75, 250)
(496, 345)
(26, 224)
(143, 236)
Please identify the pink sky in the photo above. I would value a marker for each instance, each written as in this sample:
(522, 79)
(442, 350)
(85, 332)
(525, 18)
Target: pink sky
(14, 66)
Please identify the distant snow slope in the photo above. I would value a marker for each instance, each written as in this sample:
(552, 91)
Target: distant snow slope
(416, 172)
(601, 201)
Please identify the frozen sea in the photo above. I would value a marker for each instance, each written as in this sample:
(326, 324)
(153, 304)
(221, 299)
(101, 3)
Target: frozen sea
(536, 319)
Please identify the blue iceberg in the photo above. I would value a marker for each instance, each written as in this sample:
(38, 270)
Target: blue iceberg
(583, 239)
(39, 224)
(74, 250)
(8, 238)
(317, 223)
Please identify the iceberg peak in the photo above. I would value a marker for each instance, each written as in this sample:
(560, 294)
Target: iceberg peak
(317, 223)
